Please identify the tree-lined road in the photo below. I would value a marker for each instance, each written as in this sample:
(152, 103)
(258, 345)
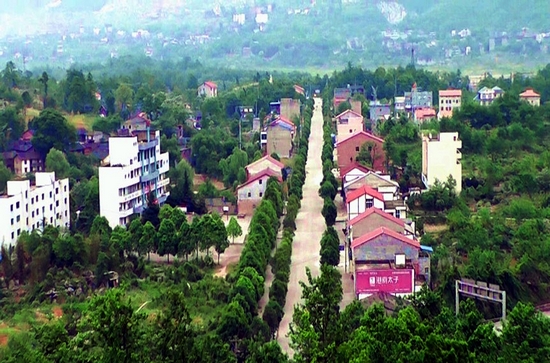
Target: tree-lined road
(310, 226)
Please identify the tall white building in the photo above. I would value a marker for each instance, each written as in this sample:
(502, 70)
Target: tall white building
(134, 169)
(441, 157)
(27, 206)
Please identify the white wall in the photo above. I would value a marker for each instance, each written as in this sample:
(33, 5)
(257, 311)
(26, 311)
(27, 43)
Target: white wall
(441, 158)
(359, 205)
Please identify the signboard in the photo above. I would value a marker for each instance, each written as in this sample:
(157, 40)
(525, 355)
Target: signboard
(388, 280)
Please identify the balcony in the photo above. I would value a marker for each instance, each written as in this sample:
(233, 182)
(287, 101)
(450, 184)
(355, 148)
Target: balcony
(162, 198)
(131, 196)
(148, 177)
(147, 145)
(163, 182)
(138, 209)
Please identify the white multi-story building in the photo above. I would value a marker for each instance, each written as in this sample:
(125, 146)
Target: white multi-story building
(134, 169)
(26, 206)
(441, 157)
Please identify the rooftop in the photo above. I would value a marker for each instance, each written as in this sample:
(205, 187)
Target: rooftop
(529, 92)
(450, 93)
(364, 190)
(388, 232)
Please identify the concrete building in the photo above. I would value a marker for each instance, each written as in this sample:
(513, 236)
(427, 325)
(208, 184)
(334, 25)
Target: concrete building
(135, 168)
(280, 137)
(26, 206)
(373, 218)
(441, 157)
(531, 97)
(250, 193)
(347, 123)
(418, 99)
(424, 114)
(486, 96)
(384, 260)
(348, 149)
(290, 108)
(399, 104)
(267, 162)
(449, 100)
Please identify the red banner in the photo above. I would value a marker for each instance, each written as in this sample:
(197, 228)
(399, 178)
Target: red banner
(390, 281)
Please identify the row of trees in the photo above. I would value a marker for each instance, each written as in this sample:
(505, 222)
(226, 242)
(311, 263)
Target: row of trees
(280, 263)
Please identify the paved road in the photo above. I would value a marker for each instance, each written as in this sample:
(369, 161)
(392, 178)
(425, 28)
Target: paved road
(310, 225)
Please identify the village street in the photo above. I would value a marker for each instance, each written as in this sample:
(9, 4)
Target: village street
(310, 226)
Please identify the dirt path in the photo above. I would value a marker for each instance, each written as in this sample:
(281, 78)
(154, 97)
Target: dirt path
(310, 225)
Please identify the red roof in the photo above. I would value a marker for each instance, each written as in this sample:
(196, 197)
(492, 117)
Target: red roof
(266, 172)
(424, 113)
(366, 238)
(267, 157)
(381, 213)
(349, 111)
(450, 93)
(350, 167)
(529, 93)
(283, 120)
(360, 133)
(365, 189)
(211, 84)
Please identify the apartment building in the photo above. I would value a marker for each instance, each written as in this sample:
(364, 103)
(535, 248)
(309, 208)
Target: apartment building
(486, 96)
(449, 100)
(30, 205)
(135, 168)
(441, 157)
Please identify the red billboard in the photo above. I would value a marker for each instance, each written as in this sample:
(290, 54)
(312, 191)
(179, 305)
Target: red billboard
(388, 280)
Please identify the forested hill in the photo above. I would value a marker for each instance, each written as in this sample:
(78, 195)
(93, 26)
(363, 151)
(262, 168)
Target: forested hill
(283, 33)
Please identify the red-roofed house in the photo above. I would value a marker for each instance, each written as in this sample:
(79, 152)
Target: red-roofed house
(387, 261)
(374, 218)
(449, 100)
(349, 147)
(208, 89)
(347, 123)
(530, 96)
(250, 194)
(359, 200)
(422, 115)
(352, 172)
(267, 162)
(280, 136)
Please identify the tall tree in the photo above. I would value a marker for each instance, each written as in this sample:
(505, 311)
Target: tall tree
(44, 80)
(167, 239)
(147, 240)
(234, 229)
(57, 162)
(52, 130)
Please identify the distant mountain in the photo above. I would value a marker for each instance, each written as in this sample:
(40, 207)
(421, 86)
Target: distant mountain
(287, 33)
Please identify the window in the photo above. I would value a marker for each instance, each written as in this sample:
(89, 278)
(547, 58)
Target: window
(260, 181)
(11, 207)
(12, 236)
(17, 205)
(26, 194)
(65, 188)
(51, 206)
(426, 271)
(56, 190)
(32, 214)
(397, 214)
(57, 203)
(65, 201)
(18, 231)
(249, 194)
(369, 203)
(12, 221)
(42, 196)
(261, 194)
(18, 218)
(51, 194)
(357, 148)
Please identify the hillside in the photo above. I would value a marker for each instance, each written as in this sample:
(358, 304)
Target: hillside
(286, 34)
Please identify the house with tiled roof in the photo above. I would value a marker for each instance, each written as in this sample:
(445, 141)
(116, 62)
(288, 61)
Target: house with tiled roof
(352, 172)
(373, 218)
(267, 162)
(422, 115)
(251, 192)
(22, 158)
(348, 149)
(530, 96)
(280, 137)
(486, 96)
(208, 89)
(384, 260)
(361, 199)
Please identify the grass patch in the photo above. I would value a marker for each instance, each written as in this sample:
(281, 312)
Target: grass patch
(81, 121)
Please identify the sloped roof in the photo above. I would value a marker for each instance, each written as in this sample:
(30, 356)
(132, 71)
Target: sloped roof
(366, 238)
(365, 189)
(381, 213)
(350, 167)
(360, 134)
(266, 172)
(529, 93)
(267, 157)
(284, 122)
(450, 93)
(210, 84)
(349, 111)
(424, 112)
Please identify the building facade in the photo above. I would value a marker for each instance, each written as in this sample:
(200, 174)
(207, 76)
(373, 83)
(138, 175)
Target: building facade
(290, 108)
(348, 123)
(280, 137)
(26, 206)
(449, 100)
(441, 157)
(267, 162)
(250, 193)
(348, 149)
(208, 89)
(135, 169)
(530, 96)
(486, 96)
